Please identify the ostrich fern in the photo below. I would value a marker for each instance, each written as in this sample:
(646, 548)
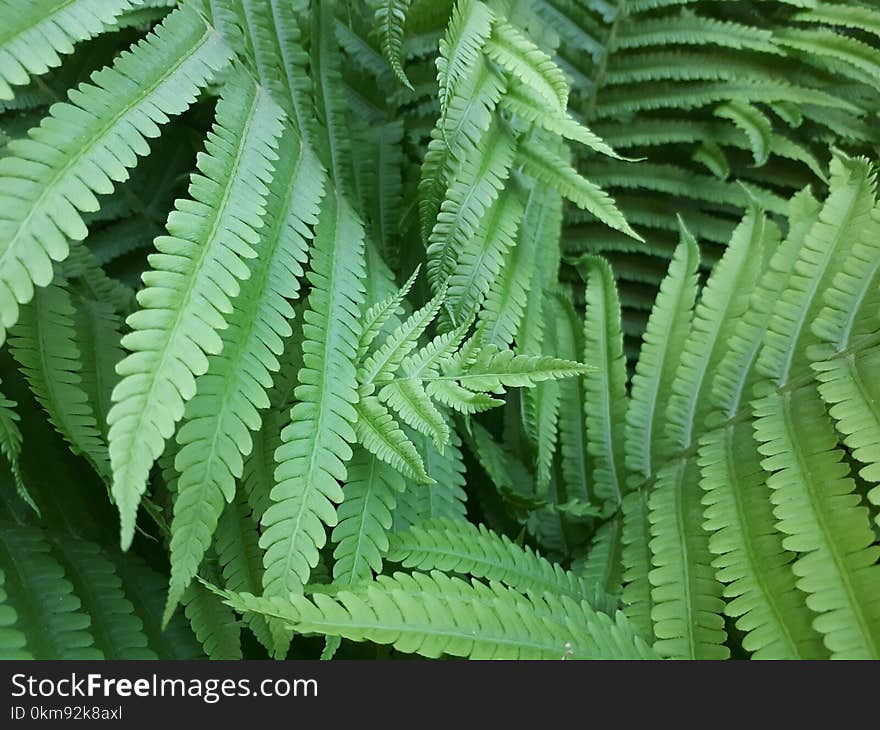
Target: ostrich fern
(492, 329)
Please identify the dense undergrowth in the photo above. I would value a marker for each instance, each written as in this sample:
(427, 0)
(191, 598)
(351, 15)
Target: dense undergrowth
(511, 329)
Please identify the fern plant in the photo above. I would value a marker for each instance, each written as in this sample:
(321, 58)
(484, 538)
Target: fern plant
(492, 329)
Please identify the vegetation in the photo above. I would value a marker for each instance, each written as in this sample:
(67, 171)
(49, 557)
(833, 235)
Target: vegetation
(492, 329)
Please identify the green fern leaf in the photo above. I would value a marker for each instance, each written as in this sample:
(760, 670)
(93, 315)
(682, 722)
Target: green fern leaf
(457, 546)
(48, 611)
(435, 615)
(812, 495)
(315, 444)
(469, 28)
(35, 37)
(517, 55)
(390, 20)
(187, 297)
(10, 447)
(218, 421)
(605, 402)
(365, 519)
(751, 560)
(549, 169)
(117, 630)
(82, 147)
(43, 343)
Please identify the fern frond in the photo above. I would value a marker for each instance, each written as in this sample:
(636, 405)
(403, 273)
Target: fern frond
(456, 546)
(662, 342)
(117, 630)
(843, 368)
(48, 612)
(517, 55)
(577, 466)
(688, 621)
(457, 135)
(605, 403)
(472, 192)
(365, 519)
(813, 497)
(381, 435)
(469, 28)
(215, 436)
(316, 443)
(194, 275)
(43, 343)
(482, 258)
(34, 38)
(549, 169)
(751, 561)
(502, 312)
(390, 19)
(10, 447)
(83, 146)
(434, 615)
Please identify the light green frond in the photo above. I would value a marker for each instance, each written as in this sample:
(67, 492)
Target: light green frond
(845, 362)
(410, 401)
(457, 546)
(435, 615)
(814, 498)
(188, 291)
(549, 169)
(365, 519)
(521, 58)
(750, 558)
(381, 313)
(381, 435)
(687, 599)
(475, 187)
(502, 312)
(381, 365)
(576, 461)
(35, 36)
(469, 28)
(83, 147)
(316, 443)
(493, 369)
(468, 118)
(218, 421)
(662, 344)
(483, 257)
